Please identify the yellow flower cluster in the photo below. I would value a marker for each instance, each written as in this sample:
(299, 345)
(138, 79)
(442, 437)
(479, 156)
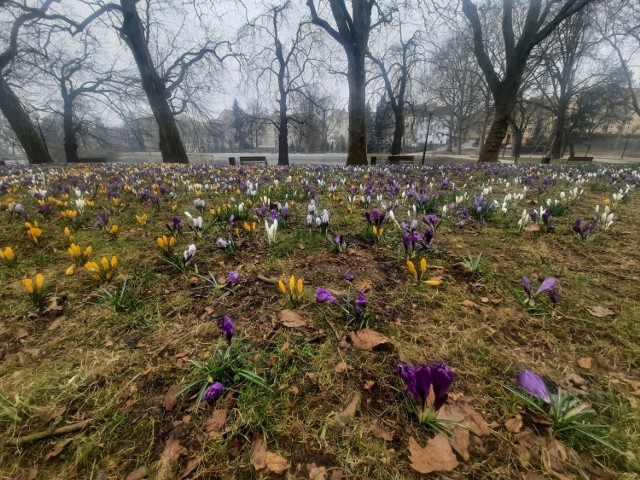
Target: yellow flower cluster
(79, 256)
(295, 289)
(34, 232)
(420, 275)
(69, 214)
(166, 244)
(249, 227)
(142, 219)
(7, 255)
(35, 289)
(103, 271)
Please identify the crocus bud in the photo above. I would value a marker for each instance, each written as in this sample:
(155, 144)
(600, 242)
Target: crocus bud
(213, 393)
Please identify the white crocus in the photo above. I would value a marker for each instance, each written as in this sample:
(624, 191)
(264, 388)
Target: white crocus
(271, 231)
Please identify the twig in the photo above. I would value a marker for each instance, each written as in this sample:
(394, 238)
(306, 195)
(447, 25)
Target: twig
(267, 279)
(74, 427)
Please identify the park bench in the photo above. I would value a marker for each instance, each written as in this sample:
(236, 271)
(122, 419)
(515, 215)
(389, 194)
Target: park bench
(400, 159)
(256, 160)
(92, 160)
(546, 160)
(579, 159)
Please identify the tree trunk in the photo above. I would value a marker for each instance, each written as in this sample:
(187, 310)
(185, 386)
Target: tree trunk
(398, 132)
(505, 101)
(132, 31)
(283, 134)
(518, 134)
(357, 151)
(70, 140)
(559, 138)
(27, 134)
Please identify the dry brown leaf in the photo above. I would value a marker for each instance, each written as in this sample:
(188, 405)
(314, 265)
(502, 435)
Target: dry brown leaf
(216, 422)
(436, 456)
(532, 228)
(368, 385)
(472, 305)
(514, 425)
(363, 285)
(138, 474)
(170, 398)
(350, 410)
(55, 324)
(368, 339)
(258, 452)
(192, 464)
(57, 450)
(276, 463)
(316, 473)
(291, 319)
(382, 433)
(600, 311)
(168, 465)
(341, 367)
(53, 306)
(585, 362)
(337, 475)
(20, 333)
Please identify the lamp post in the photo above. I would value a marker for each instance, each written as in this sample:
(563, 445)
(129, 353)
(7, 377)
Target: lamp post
(37, 117)
(426, 137)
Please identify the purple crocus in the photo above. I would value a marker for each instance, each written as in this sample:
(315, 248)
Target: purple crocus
(420, 379)
(232, 279)
(533, 385)
(526, 285)
(228, 329)
(213, 393)
(584, 229)
(349, 277)
(360, 304)
(323, 296)
(550, 287)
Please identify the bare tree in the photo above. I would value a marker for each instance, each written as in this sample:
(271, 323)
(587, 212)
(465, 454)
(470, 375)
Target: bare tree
(504, 73)
(352, 32)
(23, 18)
(396, 69)
(285, 59)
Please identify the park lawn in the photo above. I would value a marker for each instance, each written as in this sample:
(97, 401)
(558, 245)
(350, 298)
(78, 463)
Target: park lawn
(118, 356)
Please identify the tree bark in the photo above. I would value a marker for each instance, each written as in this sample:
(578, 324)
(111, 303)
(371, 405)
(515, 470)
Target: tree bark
(27, 134)
(398, 132)
(559, 133)
(70, 140)
(283, 134)
(356, 74)
(133, 33)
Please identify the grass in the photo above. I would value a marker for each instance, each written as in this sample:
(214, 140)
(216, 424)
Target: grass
(114, 350)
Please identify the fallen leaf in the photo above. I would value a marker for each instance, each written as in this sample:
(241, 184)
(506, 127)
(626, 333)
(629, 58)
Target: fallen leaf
(258, 452)
(532, 228)
(599, 311)
(168, 464)
(382, 433)
(170, 399)
(341, 367)
(191, 466)
(276, 463)
(368, 339)
(473, 305)
(57, 450)
(53, 306)
(20, 333)
(316, 473)
(514, 425)
(55, 324)
(585, 362)
(214, 425)
(363, 285)
(368, 385)
(138, 474)
(350, 410)
(291, 319)
(436, 456)
(337, 475)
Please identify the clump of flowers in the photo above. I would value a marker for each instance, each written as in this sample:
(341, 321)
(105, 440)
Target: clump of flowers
(549, 286)
(355, 311)
(340, 244)
(35, 289)
(70, 237)
(7, 255)
(113, 231)
(584, 229)
(34, 232)
(175, 227)
(373, 232)
(142, 219)
(271, 231)
(420, 275)
(102, 271)
(566, 414)
(79, 256)
(227, 244)
(196, 225)
(428, 387)
(166, 246)
(294, 291)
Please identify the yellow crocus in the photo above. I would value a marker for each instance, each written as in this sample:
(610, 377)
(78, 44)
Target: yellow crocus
(114, 262)
(174, 207)
(282, 287)
(412, 269)
(39, 284)
(142, 219)
(7, 255)
(28, 285)
(423, 267)
(292, 284)
(114, 230)
(71, 270)
(433, 283)
(299, 288)
(104, 263)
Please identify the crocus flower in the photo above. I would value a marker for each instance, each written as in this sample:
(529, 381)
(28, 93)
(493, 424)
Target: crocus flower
(349, 277)
(232, 279)
(526, 285)
(420, 379)
(323, 295)
(7, 255)
(550, 287)
(189, 253)
(228, 329)
(213, 393)
(533, 385)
